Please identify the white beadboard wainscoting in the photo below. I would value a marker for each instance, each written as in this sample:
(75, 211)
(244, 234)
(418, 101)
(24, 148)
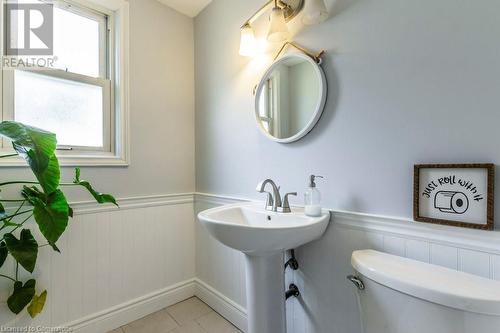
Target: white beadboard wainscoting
(116, 265)
(328, 301)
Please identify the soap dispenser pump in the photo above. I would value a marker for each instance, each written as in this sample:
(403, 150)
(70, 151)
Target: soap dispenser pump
(312, 198)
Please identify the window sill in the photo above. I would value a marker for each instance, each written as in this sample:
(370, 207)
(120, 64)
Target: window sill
(74, 161)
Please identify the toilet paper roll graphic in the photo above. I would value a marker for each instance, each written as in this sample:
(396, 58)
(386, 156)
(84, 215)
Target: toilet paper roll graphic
(451, 202)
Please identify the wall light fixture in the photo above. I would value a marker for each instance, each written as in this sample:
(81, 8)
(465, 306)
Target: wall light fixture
(282, 11)
(315, 12)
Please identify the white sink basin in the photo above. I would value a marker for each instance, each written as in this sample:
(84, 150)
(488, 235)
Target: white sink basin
(263, 237)
(251, 229)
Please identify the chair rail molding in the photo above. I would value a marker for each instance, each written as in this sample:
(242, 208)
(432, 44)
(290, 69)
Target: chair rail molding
(476, 240)
(90, 207)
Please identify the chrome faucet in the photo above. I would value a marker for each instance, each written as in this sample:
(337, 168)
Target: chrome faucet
(273, 201)
(274, 198)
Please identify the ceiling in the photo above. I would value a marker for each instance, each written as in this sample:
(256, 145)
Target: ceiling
(190, 8)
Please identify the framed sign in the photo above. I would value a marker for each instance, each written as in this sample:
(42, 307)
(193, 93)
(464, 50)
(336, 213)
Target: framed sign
(460, 195)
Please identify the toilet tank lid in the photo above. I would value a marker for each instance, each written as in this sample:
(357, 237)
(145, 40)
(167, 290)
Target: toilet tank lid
(432, 283)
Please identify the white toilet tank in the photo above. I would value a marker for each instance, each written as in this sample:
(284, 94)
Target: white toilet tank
(406, 296)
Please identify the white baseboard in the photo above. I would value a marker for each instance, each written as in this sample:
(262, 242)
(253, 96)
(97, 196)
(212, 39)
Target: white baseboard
(125, 313)
(128, 312)
(230, 310)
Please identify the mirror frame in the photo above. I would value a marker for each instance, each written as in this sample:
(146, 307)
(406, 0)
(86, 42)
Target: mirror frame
(320, 106)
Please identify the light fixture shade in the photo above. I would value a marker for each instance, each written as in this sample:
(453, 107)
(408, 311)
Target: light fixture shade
(248, 45)
(315, 12)
(278, 31)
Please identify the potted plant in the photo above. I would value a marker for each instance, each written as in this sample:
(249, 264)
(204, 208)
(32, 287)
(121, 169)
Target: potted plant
(41, 200)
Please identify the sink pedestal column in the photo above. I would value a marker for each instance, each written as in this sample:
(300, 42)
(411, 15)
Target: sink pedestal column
(265, 287)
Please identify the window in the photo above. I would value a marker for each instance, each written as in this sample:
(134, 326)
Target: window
(76, 109)
(82, 96)
(266, 105)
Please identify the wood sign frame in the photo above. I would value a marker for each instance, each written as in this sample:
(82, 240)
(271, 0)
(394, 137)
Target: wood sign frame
(447, 198)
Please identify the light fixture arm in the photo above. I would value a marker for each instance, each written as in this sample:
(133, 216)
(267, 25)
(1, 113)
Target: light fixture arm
(315, 57)
(290, 11)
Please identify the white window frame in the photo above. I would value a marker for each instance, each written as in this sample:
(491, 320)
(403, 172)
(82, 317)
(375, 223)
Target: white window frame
(116, 150)
(272, 103)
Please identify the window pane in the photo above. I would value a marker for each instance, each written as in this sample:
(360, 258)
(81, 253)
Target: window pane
(76, 39)
(76, 43)
(72, 110)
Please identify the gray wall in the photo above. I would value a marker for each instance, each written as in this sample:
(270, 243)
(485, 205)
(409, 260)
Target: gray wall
(161, 109)
(409, 82)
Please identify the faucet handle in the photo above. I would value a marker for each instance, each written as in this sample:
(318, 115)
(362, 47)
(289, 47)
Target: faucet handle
(286, 203)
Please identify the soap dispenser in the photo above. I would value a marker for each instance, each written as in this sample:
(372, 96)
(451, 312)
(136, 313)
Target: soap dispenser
(312, 198)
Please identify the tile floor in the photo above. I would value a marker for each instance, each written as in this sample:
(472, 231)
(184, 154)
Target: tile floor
(189, 316)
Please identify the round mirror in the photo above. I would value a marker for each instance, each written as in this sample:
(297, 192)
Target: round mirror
(290, 98)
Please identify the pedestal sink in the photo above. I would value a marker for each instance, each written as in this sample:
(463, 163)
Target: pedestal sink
(263, 237)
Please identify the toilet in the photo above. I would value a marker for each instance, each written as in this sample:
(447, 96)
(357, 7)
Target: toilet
(399, 295)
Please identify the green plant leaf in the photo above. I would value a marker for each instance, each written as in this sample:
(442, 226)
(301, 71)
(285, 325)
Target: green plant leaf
(24, 250)
(37, 147)
(10, 224)
(26, 138)
(98, 196)
(50, 178)
(2, 211)
(77, 175)
(32, 192)
(3, 253)
(51, 213)
(37, 304)
(21, 296)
